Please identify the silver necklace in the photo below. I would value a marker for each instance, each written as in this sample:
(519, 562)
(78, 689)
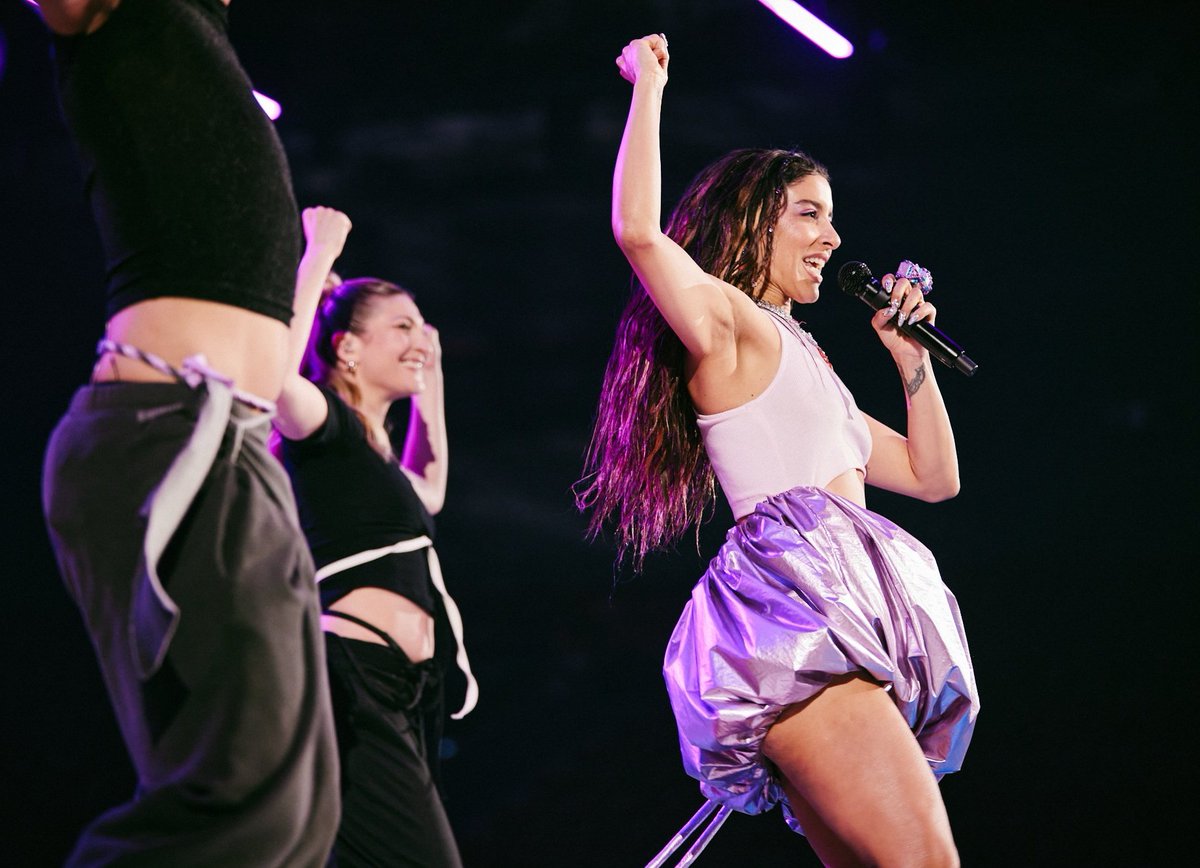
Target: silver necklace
(783, 310)
(790, 323)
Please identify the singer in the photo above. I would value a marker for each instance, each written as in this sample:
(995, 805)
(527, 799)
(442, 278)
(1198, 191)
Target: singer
(821, 662)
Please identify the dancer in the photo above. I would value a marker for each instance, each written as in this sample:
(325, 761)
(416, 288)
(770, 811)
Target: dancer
(820, 662)
(367, 517)
(174, 528)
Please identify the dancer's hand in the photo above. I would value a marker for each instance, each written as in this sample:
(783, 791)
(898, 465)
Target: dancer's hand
(644, 58)
(325, 229)
(434, 360)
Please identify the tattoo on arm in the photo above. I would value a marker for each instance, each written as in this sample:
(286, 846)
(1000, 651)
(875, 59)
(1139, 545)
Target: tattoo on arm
(918, 377)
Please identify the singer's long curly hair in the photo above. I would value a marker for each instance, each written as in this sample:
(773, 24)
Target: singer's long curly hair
(646, 473)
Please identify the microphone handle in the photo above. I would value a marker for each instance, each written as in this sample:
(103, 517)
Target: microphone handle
(939, 344)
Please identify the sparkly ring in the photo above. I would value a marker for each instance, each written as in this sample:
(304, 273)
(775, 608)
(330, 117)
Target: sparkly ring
(916, 275)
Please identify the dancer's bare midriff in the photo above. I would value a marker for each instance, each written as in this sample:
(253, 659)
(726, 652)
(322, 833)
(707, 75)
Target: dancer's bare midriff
(249, 348)
(402, 619)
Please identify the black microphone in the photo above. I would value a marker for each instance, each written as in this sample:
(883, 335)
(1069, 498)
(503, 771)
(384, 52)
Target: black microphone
(855, 279)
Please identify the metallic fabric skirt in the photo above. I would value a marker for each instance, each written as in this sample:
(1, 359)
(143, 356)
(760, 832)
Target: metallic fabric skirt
(806, 588)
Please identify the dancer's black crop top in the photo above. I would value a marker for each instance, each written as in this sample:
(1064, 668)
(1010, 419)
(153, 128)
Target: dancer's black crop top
(352, 500)
(187, 180)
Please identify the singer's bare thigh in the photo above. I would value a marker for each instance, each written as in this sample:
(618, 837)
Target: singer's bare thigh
(858, 780)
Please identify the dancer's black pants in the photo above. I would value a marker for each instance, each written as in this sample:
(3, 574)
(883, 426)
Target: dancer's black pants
(388, 715)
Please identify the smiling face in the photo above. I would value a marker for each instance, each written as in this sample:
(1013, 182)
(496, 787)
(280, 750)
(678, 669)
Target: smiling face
(389, 349)
(804, 238)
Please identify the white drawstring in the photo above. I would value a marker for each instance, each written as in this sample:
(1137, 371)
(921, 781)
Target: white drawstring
(154, 616)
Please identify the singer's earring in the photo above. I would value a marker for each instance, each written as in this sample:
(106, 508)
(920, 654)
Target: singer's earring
(352, 365)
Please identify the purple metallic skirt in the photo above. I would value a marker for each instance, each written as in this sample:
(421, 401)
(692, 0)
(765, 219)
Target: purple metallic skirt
(806, 588)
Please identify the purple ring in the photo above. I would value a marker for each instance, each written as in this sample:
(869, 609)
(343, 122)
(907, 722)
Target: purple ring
(916, 275)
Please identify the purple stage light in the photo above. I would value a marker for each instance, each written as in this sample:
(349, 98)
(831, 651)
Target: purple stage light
(812, 27)
(272, 108)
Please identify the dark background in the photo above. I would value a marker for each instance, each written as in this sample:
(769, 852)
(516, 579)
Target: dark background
(1038, 157)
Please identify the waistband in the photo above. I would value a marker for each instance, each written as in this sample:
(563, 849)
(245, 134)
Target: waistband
(136, 396)
(388, 658)
(194, 371)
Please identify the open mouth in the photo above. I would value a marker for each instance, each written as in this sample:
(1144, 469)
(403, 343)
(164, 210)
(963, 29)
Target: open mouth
(813, 266)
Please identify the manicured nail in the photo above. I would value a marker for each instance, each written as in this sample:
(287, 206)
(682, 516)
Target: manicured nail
(900, 320)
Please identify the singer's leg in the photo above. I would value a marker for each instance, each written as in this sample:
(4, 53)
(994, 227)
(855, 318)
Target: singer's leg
(857, 780)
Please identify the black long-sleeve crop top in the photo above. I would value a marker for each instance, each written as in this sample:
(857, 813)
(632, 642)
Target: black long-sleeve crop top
(185, 175)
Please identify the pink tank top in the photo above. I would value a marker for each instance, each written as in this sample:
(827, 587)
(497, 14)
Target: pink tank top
(804, 429)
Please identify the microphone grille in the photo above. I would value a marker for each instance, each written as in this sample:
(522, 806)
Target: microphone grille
(853, 277)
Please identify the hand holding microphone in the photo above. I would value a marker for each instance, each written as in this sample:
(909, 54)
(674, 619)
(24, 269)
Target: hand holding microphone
(854, 278)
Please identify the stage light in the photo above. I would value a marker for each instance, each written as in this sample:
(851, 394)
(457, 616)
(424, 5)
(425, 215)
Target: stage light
(812, 27)
(272, 108)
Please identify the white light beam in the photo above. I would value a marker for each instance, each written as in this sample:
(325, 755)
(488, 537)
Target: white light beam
(812, 27)
(272, 108)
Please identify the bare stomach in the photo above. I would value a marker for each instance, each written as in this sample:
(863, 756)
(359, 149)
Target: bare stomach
(402, 619)
(850, 485)
(249, 348)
